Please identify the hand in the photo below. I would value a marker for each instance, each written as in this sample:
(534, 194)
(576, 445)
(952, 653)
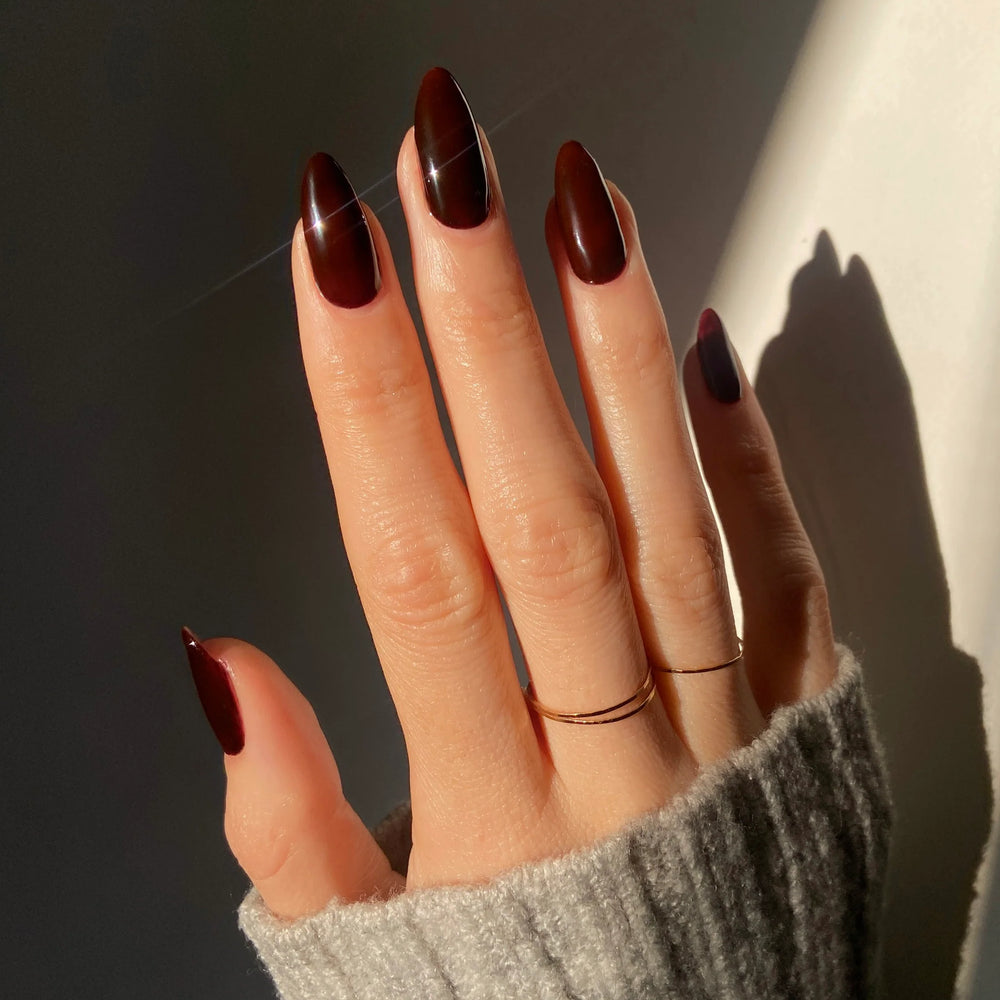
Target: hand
(608, 569)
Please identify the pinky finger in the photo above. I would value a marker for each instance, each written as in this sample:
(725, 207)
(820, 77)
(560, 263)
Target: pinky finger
(287, 821)
(788, 639)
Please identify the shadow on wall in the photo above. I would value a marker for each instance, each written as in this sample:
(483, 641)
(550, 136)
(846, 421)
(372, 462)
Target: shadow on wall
(833, 385)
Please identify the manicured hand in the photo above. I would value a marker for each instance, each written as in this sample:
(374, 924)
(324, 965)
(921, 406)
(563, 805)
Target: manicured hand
(609, 567)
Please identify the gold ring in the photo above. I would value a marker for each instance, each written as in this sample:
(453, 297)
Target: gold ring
(642, 694)
(645, 692)
(705, 670)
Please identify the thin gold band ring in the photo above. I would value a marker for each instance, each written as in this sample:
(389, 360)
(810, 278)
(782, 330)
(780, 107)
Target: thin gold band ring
(643, 694)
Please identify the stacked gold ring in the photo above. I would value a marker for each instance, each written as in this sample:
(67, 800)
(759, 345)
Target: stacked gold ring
(635, 703)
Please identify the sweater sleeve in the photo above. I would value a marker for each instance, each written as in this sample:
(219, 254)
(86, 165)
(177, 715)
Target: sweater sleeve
(763, 880)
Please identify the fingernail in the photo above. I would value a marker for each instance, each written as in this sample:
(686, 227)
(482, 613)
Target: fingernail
(718, 366)
(215, 689)
(591, 231)
(340, 243)
(451, 155)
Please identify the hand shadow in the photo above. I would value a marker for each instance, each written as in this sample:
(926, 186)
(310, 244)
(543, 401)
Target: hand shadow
(834, 389)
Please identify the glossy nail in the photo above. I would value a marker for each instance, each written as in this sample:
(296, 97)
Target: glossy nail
(340, 244)
(215, 689)
(451, 155)
(715, 355)
(591, 231)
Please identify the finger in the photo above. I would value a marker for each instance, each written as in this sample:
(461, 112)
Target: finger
(788, 637)
(542, 510)
(645, 457)
(409, 532)
(287, 821)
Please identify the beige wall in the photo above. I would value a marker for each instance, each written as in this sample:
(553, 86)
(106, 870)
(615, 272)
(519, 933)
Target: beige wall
(888, 138)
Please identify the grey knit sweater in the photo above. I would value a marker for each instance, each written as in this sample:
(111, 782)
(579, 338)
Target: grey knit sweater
(764, 880)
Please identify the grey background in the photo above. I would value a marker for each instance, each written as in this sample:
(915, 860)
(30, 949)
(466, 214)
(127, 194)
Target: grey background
(161, 465)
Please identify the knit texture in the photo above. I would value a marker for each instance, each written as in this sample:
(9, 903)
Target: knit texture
(763, 880)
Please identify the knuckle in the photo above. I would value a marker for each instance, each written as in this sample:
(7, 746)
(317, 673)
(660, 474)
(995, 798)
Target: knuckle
(689, 573)
(799, 601)
(558, 548)
(366, 390)
(428, 579)
(263, 837)
(639, 360)
(816, 602)
(495, 320)
(755, 459)
(801, 585)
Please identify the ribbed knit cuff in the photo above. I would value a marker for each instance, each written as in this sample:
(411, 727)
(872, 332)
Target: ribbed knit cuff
(763, 880)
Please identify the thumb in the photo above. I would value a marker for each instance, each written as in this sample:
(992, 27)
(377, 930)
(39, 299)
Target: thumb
(287, 821)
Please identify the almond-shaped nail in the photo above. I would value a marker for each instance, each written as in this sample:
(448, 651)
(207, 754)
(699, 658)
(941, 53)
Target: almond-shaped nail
(715, 355)
(215, 689)
(340, 243)
(451, 155)
(591, 231)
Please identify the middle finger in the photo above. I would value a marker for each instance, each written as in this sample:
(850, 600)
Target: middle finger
(542, 508)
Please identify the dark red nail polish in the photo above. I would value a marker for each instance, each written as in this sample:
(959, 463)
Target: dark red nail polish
(451, 155)
(718, 366)
(340, 244)
(591, 231)
(215, 689)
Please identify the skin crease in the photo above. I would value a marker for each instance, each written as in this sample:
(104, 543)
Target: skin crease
(494, 785)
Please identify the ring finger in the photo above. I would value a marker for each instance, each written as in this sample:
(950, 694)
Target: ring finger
(645, 456)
